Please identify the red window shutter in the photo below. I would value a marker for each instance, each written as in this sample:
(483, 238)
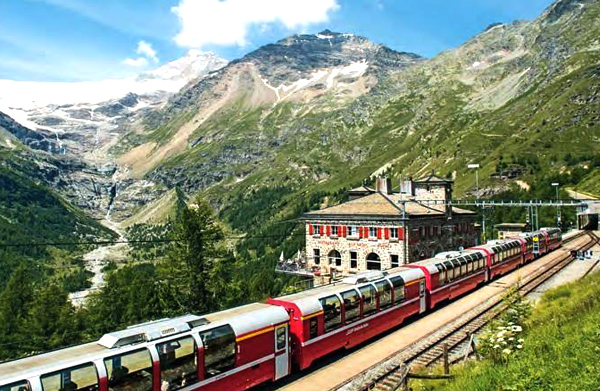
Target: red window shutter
(329, 230)
(387, 233)
(310, 229)
(322, 230)
(378, 232)
(342, 228)
(365, 232)
(360, 232)
(401, 233)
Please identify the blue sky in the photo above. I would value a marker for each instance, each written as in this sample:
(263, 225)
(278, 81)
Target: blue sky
(79, 40)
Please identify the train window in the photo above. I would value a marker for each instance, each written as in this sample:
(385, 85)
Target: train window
(17, 386)
(449, 271)
(83, 377)
(281, 338)
(369, 299)
(398, 284)
(219, 350)
(313, 328)
(456, 268)
(351, 305)
(463, 266)
(178, 363)
(385, 293)
(332, 312)
(130, 371)
(441, 275)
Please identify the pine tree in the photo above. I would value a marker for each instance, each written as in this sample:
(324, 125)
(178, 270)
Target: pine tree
(14, 304)
(192, 259)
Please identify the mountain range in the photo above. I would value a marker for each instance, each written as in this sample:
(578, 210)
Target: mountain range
(313, 114)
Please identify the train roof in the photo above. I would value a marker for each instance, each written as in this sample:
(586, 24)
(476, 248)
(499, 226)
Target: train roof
(308, 301)
(242, 320)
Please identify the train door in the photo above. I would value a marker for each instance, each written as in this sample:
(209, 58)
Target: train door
(282, 352)
(422, 297)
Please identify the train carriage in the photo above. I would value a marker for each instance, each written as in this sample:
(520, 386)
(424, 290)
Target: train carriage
(247, 346)
(345, 314)
(451, 274)
(233, 350)
(553, 238)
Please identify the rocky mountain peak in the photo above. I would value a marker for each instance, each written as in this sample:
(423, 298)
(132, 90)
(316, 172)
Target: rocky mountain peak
(564, 7)
(297, 56)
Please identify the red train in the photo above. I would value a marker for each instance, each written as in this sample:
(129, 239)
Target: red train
(246, 346)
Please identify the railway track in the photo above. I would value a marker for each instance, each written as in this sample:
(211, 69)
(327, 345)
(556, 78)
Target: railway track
(457, 333)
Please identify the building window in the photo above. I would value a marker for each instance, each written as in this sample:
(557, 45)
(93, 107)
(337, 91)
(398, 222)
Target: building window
(317, 256)
(317, 230)
(421, 232)
(373, 262)
(372, 232)
(335, 258)
(394, 233)
(395, 260)
(334, 230)
(352, 230)
(353, 259)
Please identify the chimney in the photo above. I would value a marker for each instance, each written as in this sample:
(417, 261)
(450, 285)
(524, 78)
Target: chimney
(383, 185)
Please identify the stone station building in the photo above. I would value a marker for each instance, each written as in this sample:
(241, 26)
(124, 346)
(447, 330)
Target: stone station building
(379, 229)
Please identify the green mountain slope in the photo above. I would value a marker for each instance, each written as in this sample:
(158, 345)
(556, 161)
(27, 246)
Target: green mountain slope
(520, 99)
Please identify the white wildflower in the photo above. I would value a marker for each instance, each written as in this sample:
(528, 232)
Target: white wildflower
(507, 351)
(511, 339)
(519, 346)
(521, 340)
(496, 346)
(517, 328)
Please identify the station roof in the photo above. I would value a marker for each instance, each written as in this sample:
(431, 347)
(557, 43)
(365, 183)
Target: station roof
(379, 205)
(433, 178)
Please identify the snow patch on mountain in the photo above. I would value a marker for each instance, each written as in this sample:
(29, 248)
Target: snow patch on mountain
(171, 77)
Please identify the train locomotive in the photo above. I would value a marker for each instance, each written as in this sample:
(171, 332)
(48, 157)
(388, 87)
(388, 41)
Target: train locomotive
(244, 347)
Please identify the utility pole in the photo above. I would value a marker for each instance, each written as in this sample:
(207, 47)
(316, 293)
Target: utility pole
(476, 167)
(556, 185)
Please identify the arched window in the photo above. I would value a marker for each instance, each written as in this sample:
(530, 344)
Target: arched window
(335, 258)
(373, 262)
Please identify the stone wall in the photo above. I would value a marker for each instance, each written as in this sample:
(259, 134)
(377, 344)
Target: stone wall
(384, 248)
(423, 237)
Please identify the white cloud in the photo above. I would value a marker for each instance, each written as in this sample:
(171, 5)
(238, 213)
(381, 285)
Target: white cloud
(226, 22)
(136, 62)
(145, 49)
(146, 52)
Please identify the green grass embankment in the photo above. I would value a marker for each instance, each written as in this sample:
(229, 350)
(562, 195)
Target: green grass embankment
(561, 349)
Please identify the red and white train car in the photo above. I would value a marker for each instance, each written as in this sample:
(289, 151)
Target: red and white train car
(343, 315)
(229, 350)
(246, 346)
(451, 274)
